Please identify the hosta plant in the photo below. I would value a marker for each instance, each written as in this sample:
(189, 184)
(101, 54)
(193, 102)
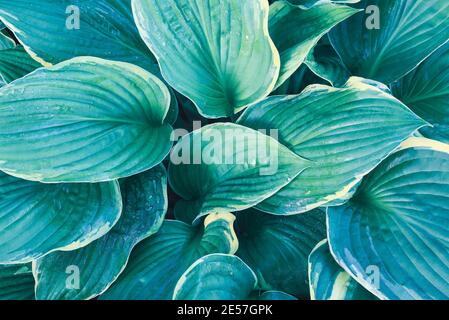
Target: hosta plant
(224, 149)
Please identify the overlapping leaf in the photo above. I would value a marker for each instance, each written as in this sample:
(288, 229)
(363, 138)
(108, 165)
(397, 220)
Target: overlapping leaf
(391, 37)
(101, 262)
(426, 91)
(36, 218)
(211, 51)
(84, 120)
(328, 281)
(305, 27)
(344, 132)
(50, 32)
(158, 262)
(228, 167)
(396, 225)
(16, 282)
(277, 248)
(221, 277)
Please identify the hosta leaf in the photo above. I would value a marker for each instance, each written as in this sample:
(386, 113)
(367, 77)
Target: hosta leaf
(84, 120)
(211, 51)
(325, 63)
(16, 282)
(305, 27)
(426, 91)
(301, 79)
(101, 262)
(216, 277)
(277, 247)
(37, 218)
(14, 64)
(238, 168)
(6, 42)
(328, 281)
(408, 32)
(158, 262)
(222, 277)
(393, 236)
(344, 132)
(49, 32)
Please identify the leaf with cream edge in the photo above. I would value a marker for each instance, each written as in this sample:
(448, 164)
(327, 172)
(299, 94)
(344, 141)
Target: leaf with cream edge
(158, 262)
(222, 277)
(239, 167)
(277, 247)
(306, 26)
(212, 51)
(329, 281)
(84, 120)
(397, 223)
(345, 133)
(36, 218)
(426, 91)
(409, 31)
(50, 35)
(16, 282)
(101, 262)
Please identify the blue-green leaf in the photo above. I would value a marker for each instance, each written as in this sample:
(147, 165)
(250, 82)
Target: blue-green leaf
(101, 262)
(392, 236)
(305, 27)
(277, 247)
(426, 91)
(391, 37)
(16, 282)
(157, 263)
(239, 167)
(36, 218)
(345, 133)
(328, 281)
(83, 120)
(211, 51)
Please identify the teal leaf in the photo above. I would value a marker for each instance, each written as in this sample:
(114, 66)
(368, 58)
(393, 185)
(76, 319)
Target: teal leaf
(211, 51)
(392, 236)
(391, 37)
(14, 64)
(16, 282)
(157, 263)
(305, 27)
(216, 277)
(101, 262)
(84, 120)
(325, 63)
(49, 31)
(239, 167)
(345, 133)
(328, 281)
(426, 91)
(36, 218)
(277, 247)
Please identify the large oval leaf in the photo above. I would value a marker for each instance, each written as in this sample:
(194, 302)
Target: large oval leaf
(344, 132)
(211, 51)
(101, 262)
(16, 282)
(56, 30)
(157, 263)
(37, 218)
(426, 91)
(328, 281)
(391, 37)
(277, 247)
(239, 167)
(84, 120)
(305, 27)
(216, 277)
(393, 236)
